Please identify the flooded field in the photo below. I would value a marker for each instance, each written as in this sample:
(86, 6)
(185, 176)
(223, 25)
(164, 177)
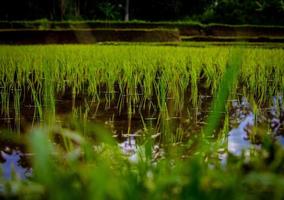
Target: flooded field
(241, 133)
(155, 106)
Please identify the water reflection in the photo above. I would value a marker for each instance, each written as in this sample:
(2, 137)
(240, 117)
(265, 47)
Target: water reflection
(12, 165)
(238, 141)
(280, 140)
(130, 149)
(238, 138)
(136, 152)
(277, 114)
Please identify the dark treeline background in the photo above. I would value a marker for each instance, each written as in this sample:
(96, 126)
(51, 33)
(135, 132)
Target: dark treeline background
(205, 11)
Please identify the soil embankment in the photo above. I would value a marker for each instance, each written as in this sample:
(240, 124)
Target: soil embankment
(86, 36)
(94, 31)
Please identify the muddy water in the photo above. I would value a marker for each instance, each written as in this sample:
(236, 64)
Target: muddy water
(108, 113)
(15, 159)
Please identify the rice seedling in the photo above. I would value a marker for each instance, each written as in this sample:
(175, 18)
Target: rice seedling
(154, 72)
(82, 168)
(164, 81)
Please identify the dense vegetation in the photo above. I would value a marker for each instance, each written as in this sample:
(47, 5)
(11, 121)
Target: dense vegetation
(206, 11)
(83, 160)
(175, 120)
(160, 72)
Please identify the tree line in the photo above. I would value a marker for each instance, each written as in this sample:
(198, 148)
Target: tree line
(205, 11)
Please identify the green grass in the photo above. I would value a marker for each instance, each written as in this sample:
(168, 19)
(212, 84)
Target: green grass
(78, 168)
(155, 71)
(102, 172)
(262, 45)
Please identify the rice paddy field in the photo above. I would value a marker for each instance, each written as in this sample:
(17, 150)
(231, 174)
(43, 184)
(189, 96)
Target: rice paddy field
(141, 122)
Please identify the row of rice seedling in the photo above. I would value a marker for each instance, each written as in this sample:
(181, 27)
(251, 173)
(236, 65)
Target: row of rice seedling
(79, 167)
(137, 74)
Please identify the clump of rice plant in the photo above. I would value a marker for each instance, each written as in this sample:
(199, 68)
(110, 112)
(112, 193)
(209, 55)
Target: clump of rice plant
(136, 76)
(88, 163)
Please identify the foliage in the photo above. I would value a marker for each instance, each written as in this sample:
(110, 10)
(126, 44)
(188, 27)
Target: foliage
(245, 12)
(88, 163)
(78, 168)
(109, 11)
(104, 173)
(158, 73)
(207, 11)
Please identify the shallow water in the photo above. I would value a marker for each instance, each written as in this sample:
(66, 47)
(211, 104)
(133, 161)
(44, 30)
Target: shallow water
(128, 132)
(13, 165)
(239, 137)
